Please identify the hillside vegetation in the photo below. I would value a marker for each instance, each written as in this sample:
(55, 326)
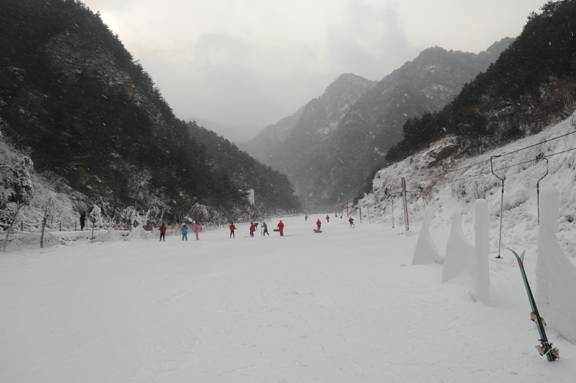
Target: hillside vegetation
(75, 100)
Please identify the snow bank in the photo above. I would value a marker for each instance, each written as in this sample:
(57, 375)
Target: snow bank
(459, 253)
(481, 244)
(555, 274)
(425, 251)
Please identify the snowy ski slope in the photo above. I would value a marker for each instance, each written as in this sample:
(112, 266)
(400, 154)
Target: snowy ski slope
(341, 306)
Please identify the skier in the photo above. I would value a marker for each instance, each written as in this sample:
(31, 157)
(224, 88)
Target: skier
(196, 228)
(82, 220)
(184, 231)
(351, 220)
(281, 228)
(305, 218)
(232, 230)
(265, 229)
(252, 228)
(163, 229)
(318, 225)
(327, 218)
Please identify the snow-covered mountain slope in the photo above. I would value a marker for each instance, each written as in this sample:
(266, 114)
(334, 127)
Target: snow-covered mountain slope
(449, 185)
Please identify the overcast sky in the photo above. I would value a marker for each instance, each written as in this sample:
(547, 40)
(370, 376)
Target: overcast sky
(248, 63)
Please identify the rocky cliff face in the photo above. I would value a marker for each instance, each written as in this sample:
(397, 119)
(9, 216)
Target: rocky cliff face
(74, 99)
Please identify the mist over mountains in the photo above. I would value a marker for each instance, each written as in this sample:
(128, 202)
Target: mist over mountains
(329, 147)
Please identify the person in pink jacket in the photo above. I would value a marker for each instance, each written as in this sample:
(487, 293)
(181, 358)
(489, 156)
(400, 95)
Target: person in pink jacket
(196, 228)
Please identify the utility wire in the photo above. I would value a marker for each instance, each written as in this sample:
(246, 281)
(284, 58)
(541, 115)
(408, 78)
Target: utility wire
(512, 152)
(536, 159)
(536, 144)
(558, 153)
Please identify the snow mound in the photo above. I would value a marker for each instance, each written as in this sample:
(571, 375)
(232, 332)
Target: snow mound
(459, 251)
(481, 242)
(425, 251)
(556, 275)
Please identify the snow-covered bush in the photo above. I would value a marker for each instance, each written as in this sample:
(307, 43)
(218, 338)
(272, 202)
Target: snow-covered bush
(200, 212)
(95, 217)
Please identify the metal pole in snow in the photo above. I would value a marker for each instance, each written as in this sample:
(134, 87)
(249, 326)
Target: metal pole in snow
(502, 179)
(539, 157)
(405, 203)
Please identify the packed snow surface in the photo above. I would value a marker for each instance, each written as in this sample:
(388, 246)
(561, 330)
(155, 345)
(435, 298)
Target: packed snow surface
(345, 305)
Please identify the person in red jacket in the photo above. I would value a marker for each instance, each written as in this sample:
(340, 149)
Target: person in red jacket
(281, 228)
(232, 230)
(196, 228)
(318, 224)
(252, 229)
(351, 221)
(163, 230)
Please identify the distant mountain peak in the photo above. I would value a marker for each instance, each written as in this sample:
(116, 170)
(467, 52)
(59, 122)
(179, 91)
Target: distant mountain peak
(500, 46)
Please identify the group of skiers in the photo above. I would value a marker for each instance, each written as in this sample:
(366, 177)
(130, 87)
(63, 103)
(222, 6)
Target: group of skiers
(197, 228)
(254, 226)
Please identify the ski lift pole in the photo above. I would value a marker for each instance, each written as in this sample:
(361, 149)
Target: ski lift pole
(405, 203)
(541, 157)
(502, 179)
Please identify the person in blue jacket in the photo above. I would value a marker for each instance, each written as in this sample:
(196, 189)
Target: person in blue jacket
(184, 231)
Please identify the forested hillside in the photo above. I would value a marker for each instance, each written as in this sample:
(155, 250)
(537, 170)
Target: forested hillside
(532, 84)
(82, 107)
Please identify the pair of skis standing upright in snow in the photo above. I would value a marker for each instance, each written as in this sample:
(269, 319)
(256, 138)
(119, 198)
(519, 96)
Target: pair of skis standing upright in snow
(545, 347)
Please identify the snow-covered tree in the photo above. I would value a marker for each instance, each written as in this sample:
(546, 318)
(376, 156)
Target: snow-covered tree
(48, 206)
(200, 212)
(95, 217)
(16, 189)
